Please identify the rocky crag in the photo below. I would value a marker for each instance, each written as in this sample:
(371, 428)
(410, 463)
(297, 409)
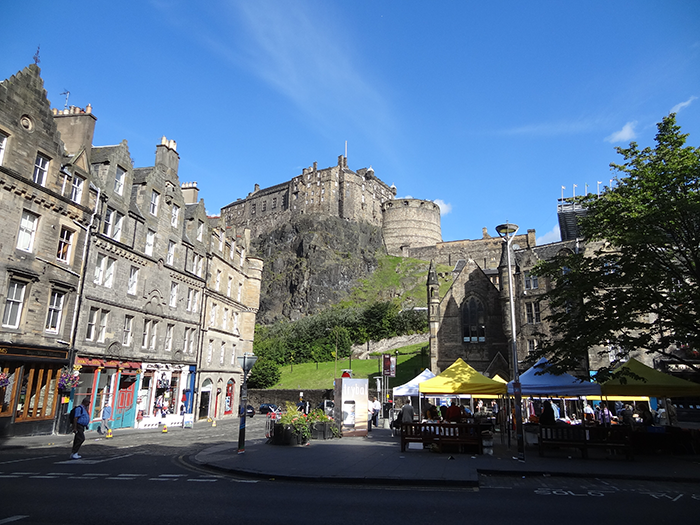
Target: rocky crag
(312, 263)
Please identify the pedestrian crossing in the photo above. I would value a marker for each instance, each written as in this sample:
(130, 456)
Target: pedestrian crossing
(90, 476)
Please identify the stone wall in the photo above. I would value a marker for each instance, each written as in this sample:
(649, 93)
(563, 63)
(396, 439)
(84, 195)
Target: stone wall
(410, 223)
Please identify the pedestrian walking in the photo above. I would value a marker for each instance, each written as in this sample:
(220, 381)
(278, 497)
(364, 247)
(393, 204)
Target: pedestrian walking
(81, 420)
(106, 416)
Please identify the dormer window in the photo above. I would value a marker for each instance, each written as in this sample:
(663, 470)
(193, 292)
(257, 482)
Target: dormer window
(155, 201)
(119, 181)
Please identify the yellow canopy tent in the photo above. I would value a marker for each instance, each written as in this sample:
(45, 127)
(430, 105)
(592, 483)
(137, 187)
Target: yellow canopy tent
(654, 383)
(460, 378)
(499, 379)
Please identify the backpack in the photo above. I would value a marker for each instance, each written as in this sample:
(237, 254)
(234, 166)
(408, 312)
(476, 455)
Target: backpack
(71, 415)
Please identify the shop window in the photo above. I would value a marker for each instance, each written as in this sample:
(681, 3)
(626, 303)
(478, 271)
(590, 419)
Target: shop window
(38, 392)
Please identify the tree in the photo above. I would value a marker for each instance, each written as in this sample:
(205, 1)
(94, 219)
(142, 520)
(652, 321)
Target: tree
(638, 289)
(265, 374)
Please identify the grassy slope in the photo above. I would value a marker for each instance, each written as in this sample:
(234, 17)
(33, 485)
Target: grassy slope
(306, 376)
(397, 277)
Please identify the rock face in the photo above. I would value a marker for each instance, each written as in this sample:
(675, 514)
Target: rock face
(313, 262)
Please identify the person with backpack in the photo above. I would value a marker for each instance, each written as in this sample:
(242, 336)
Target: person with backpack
(80, 419)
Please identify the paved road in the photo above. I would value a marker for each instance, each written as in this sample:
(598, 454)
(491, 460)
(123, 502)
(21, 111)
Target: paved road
(140, 477)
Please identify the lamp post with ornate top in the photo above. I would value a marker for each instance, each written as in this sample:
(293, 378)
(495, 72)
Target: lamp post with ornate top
(507, 232)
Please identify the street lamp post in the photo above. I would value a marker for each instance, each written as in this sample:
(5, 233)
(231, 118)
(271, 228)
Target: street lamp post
(246, 361)
(507, 232)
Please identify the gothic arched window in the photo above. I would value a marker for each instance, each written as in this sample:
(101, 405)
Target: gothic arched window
(473, 321)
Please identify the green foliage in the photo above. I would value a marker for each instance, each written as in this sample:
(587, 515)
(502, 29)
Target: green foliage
(306, 376)
(640, 288)
(316, 338)
(265, 374)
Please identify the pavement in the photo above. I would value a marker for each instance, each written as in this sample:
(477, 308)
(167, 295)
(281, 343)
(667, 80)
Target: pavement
(378, 459)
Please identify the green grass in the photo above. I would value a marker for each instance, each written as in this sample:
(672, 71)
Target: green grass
(398, 277)
(306, 376)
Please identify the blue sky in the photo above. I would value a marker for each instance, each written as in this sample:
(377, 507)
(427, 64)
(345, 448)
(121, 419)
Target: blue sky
(489, 108)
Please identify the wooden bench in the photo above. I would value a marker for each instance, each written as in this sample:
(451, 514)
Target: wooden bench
(576, 436)
(563, 436)
(461, 435)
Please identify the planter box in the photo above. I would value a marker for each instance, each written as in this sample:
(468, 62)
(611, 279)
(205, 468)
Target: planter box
(286, 435)
(321, 431)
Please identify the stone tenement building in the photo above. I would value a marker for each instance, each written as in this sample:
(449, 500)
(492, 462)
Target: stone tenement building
(112, 271)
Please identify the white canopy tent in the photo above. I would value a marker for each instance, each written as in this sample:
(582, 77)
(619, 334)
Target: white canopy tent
(411, 388)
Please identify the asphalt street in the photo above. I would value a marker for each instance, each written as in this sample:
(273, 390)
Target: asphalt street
(145, 477)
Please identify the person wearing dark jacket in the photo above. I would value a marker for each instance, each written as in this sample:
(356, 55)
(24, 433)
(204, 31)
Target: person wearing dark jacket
(547, 415)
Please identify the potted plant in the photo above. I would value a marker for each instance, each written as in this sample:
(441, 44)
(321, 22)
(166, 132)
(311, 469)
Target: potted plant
(322, 426)
(292, 428)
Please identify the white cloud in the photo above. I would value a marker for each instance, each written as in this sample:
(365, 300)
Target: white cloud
(554, 235)
(445, 207)
(548, 129)
(624, 135)
(678, 107)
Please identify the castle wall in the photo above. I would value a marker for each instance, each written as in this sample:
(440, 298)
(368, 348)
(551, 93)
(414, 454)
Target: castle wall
(486, 252)
(410, 223)
(336, 191)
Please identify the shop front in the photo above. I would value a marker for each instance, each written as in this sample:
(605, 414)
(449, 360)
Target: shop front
(162, 395)
(108, 382)
(29, 389)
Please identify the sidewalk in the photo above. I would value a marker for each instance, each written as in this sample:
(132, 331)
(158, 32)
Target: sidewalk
(379, 460)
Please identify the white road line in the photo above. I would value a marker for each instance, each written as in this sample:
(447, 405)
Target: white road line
(27, 473)
(84, 461)
(209, 480)
(12, 518)
(172, 475)
(8, 476)
(43, 477)
(60, 474)
(26, 459)
(133, 475)
(121, 478)
(162, 479)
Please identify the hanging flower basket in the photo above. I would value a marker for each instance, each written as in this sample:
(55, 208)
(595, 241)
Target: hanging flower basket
(4, 380)
(68, 380)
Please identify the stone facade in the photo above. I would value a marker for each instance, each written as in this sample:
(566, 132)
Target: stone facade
(410, 223)
(336, 191)
(114, 271)
(472, 320)
(46, 209)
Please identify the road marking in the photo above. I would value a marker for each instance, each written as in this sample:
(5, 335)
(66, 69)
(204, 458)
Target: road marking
(84, 461)
(121, 478)
(26, 459)
(8, 476)
(43, 477)
(60, 474)
(27, 473)
(12, 518)
(162, 479)
(132, 475)
(173, 475)
(202, 480)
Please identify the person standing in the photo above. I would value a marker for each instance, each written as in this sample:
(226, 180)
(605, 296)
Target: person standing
(376, 409)
(81, 420)
(106, 416)
(407, 413)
